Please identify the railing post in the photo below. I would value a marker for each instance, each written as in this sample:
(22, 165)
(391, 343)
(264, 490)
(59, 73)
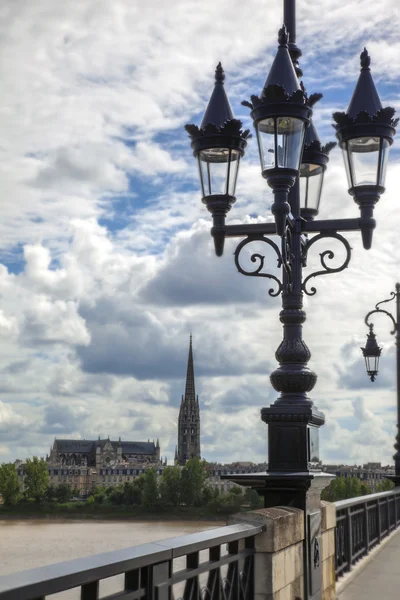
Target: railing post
(250, 570)
(192, 588)
(90, 591)
(388, 514)
(233, 573)
(132, 580)
(160, 575)
(214, 576)
(395, 512)
(349, 540)
(366, 526)
(379, 520)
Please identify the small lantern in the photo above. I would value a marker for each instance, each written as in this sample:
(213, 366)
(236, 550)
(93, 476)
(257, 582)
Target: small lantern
(218, 145)
(281, 116)
(365, 134)
(313, 166)
(371, 354)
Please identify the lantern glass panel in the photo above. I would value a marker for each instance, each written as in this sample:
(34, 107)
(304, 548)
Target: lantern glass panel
(266, 143)
(347, 165)
(311, 180)
(218, 169)
(372, 364)
(233, 172)
(364, 160)
(290, 139)
(384, 160)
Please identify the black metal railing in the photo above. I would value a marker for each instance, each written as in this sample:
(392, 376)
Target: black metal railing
(150, 571)
(361, 524)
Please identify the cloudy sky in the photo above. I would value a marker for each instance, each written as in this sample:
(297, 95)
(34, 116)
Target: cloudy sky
(106, 259)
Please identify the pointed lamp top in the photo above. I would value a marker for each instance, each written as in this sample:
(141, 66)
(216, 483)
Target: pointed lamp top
(371, 347)
(282, 72)
(219, 110)
(365, 97)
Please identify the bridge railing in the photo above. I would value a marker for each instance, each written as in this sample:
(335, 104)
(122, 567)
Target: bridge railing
(361, 524)
(149, 570)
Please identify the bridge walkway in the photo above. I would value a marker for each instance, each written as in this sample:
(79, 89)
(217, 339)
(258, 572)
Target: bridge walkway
(379, 579)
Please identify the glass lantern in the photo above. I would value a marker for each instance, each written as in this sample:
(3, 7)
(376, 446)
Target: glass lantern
(218, 170)
(366, 160)
(311, 181)
(280, 143)
(371, 354)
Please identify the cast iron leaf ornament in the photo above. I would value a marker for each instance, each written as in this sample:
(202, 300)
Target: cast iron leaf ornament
(384, 116)
(313, 99)
(273, 94)
(316, 146)
(231, 128)
(328, 147)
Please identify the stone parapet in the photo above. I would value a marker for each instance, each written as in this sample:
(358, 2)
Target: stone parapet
(328, 525)
(279, 552)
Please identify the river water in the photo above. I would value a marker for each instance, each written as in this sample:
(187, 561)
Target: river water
(27, 544)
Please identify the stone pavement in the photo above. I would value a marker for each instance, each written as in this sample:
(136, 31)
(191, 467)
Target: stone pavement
(380, 579)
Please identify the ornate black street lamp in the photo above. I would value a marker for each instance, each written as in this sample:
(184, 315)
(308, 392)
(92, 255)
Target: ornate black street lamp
(372, 352)
(293, 163)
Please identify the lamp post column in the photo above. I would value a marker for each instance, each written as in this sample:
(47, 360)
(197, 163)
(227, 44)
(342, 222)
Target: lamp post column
(396, 457)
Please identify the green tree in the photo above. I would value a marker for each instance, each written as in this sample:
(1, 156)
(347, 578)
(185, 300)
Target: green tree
(63, 492)
(132, 493)
(150, 499)
(252, 498)
(37, 478)
(364, 489)
(193, 477)
(170, 486)
(51, 494)
(385, 486)
(9, 484)
(100, 494)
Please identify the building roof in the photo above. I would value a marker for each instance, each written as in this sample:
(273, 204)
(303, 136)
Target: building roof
(89, 446)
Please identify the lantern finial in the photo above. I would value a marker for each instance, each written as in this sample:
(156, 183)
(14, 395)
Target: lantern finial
(365, 59)
(219, 73)
(283, 36)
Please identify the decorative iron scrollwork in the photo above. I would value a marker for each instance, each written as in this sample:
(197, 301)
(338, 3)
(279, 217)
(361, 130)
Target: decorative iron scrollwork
(287, 256)
(381, 311)
(260, 259)
(327, 254)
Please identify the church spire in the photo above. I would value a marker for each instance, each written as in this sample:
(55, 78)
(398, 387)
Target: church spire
(189, 418)
(189, 390)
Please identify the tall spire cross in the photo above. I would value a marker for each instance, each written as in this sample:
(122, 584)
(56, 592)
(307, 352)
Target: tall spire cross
(189, 390)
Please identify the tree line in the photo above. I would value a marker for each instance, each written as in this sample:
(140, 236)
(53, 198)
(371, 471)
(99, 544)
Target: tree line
(342, 488)
(187, 486)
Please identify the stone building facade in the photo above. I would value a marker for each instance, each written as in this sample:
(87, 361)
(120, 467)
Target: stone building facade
(102, 453)
(189, 418)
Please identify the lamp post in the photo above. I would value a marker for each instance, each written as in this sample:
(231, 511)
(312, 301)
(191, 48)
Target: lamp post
(371, 354)
(293, 163)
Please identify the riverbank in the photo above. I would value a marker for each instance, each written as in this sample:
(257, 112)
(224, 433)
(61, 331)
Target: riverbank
(80, 511)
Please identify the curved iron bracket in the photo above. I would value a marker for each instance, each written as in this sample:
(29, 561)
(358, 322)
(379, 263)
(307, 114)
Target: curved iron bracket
(327, 254)
(261, 260)
(379, 311)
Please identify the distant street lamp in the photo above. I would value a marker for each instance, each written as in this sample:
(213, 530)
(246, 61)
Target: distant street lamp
(372, 352)
(293, 162)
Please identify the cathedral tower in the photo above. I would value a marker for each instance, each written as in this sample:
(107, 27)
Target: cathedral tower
(189, 418)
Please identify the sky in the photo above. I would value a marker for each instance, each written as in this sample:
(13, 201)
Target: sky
(106, 262)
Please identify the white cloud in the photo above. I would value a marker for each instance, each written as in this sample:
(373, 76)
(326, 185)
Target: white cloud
(110, 263)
